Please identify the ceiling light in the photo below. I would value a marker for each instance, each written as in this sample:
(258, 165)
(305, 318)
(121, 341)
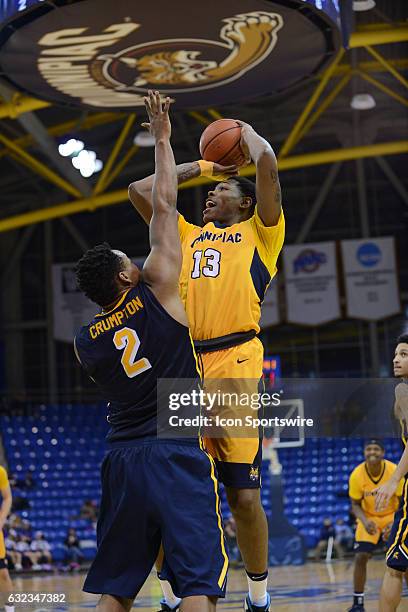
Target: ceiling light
(144, 139)
(70, 147)
(363, 5)
(362, 102)
(87, 163)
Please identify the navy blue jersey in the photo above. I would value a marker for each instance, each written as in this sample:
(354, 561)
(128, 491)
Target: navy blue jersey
(126, 350)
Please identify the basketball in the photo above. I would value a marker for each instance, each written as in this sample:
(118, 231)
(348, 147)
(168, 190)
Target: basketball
(220, 143)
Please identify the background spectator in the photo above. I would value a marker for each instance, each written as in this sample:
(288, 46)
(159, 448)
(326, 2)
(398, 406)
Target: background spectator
(13, 556)
(327, 531)
(73, 549)
(344, 535)
(27, 482)
(89, 510)
(29, 558)
(41, 546)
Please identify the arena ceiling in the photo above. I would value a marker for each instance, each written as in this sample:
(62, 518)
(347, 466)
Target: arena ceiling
(312, 128)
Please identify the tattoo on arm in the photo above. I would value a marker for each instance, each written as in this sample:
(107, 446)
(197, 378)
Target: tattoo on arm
(185, 172)
(275, 181)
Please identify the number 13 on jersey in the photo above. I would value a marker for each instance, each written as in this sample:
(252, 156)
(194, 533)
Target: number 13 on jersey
(212, 259)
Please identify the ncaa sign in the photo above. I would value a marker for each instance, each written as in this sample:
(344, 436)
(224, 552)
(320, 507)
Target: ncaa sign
(370, 271)
(369, 254)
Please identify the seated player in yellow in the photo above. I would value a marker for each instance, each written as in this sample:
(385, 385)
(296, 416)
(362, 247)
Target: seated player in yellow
(372, 525)
(397, 554)
(227, 266)
(6, 585)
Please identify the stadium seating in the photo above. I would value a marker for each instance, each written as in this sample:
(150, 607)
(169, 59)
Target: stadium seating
(64, 446)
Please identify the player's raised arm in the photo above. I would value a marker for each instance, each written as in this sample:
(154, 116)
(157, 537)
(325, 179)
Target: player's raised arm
(163, 265)
(268, 191)
(140, 192)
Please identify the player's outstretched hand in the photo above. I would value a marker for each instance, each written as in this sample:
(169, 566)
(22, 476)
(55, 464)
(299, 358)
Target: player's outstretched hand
(384, 493)
(159, 122)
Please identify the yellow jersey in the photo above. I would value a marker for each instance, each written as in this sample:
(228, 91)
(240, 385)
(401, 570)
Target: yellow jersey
(4, 481)
(225, 273)
(362, 484)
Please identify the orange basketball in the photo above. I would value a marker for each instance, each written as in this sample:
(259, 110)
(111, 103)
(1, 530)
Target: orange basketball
(220, 143)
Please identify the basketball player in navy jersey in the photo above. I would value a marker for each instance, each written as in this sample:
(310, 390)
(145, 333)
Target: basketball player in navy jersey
(397, 554)
(153, 490)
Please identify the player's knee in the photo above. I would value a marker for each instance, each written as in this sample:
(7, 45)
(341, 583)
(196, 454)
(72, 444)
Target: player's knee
(394, 573)
(5, 578)
(243, 501)
(362, 558)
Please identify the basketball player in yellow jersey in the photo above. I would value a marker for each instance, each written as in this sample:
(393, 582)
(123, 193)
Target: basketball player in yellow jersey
(6, 585)
(372, 524)
(227, 266)
(397, 554)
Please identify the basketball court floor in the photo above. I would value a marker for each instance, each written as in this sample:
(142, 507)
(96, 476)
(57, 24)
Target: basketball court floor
(314, 587)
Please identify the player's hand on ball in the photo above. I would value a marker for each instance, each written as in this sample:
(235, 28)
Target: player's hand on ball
(159, 122)
(224, 171)
(245, 129)
(371, 527)
(384, 493)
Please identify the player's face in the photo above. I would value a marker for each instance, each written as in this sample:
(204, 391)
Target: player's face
(401, 361)
(373, 453)
(223, 203)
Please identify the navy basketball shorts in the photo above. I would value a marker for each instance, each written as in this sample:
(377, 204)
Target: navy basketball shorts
(397, 554)
(157, 491)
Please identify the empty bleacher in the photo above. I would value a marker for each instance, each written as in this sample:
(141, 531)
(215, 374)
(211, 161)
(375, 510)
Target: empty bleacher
(64, 445)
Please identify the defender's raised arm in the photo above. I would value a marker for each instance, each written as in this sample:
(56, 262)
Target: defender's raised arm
(163, 265)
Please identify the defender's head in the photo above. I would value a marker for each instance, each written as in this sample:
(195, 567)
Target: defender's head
(374, 451)
(231, 201)
(401, 357)
(103, 274)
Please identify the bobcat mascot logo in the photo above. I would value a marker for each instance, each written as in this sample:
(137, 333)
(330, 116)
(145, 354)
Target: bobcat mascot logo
(181, 65)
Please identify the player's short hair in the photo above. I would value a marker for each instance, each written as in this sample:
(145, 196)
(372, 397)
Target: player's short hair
(96, 274)
(402, 339)
(374, 442)
(247, 188)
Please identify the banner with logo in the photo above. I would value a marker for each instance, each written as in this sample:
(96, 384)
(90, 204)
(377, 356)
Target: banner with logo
(370, 272)
(311, 286)
(72, 309)
(270, 306)
(105, 54)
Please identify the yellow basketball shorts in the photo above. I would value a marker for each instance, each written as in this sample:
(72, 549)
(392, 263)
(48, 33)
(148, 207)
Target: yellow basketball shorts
(236, 370)
(364, 541)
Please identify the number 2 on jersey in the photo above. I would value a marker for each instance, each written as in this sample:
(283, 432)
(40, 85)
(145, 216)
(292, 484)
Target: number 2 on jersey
(128, 340)
(212, 267)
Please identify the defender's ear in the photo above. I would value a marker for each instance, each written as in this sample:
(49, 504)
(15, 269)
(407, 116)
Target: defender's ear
(124, 277)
